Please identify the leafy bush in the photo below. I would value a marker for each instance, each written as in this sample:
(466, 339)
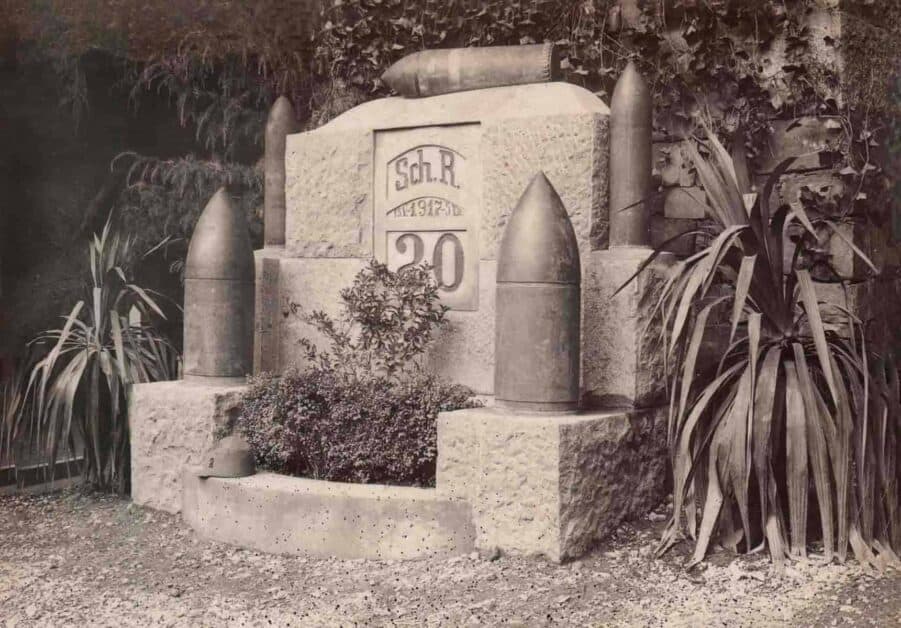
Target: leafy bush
(318, 424)
(364, 410)
(792, 410)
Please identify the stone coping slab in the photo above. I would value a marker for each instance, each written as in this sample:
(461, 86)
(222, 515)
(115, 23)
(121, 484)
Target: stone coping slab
(493, 103)
(288, 515)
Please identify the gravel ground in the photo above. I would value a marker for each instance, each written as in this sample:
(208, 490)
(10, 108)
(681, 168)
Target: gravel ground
(72, 560)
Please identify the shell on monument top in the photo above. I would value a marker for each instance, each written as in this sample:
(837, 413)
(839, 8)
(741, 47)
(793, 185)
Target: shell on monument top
(443, 71)
(556, 98)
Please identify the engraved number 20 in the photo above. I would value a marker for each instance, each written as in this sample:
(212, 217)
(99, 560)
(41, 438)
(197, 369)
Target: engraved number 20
(446, 239)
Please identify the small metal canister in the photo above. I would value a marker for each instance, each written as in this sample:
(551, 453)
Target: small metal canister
(219, 294)
(230, 457)
(537, 326)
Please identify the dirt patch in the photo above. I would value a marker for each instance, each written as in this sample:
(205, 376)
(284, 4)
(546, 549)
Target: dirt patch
(69, 559)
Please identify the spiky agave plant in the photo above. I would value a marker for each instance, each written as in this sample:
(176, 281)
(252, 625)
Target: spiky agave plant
(790, 413)
(79, 386)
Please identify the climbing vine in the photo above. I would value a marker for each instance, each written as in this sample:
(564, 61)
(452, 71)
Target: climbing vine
(738, 64)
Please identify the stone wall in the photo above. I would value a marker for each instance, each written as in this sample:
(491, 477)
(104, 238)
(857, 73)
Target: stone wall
(812, 141)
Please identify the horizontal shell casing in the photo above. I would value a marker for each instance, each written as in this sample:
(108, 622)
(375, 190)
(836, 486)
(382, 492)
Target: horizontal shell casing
(434, 72)
(539, 243)
(220, 245)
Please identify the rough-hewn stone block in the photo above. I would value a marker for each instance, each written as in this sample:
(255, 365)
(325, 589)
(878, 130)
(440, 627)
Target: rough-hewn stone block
(570, 149)
(621, 365)
(307, 285)
(559, 128)
(550, 484)
(328, 193)
(803, 139)
(288, 515)
(172, 424)
(685, 203)
(463, 350)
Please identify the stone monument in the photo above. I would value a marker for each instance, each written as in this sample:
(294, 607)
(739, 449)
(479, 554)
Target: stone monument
(406, 180)
(437, 179)
(503, 189)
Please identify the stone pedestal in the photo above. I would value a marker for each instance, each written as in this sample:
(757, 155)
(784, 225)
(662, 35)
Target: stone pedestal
(268, 309)
(622, 367)
(550, 485)
(172, 424)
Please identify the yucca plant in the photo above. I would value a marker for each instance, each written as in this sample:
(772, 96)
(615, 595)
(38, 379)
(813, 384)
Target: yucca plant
(791, 414)
(12, 407)
(78, 389)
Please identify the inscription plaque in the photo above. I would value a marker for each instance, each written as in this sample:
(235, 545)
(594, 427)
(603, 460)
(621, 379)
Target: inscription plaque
(427, 191)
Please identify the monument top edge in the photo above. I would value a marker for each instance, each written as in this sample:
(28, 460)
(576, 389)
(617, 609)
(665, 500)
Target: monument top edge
(493, 103)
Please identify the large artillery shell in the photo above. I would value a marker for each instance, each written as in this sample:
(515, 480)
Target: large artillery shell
(433, 72)
(280, 123)
(630, 160)
(538, 306)
(219, 278)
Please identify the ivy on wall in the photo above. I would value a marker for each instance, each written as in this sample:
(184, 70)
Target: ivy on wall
(737, 64)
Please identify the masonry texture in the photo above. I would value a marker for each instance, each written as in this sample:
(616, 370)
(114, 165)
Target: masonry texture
(551, 485)
(172, 424)
(622, 362)
(287, 515)
(570, 149)
(557, 128)
(329, 193)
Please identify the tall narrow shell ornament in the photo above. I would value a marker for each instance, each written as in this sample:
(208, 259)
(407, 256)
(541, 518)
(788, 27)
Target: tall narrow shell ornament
(537, 329)
(219, 295)
(279, 125)
(630, 160)
(433, 72)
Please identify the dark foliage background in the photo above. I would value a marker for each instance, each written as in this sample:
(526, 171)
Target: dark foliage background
(217, 65)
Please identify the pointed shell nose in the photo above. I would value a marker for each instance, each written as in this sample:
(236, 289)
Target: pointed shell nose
(402, 76)
(281, 116)
(539, 244)
(631, 100)
(220, 245)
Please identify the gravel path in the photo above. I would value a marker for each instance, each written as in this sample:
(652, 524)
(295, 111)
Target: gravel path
(73, 560)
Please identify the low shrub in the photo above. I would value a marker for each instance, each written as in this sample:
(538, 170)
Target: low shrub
(365, 409)
(375, 430)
